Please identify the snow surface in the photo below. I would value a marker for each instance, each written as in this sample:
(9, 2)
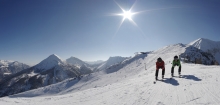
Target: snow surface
(130, 84)
(199, 85)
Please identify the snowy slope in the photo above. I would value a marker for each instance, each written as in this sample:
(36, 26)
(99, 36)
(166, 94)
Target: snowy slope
(111, 61)
(131, 84)
(118, 72)
(198, 86)
(207, 45)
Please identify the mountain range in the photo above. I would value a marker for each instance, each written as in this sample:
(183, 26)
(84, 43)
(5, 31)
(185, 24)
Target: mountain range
(49, 71)
(8, 68)
(53, 70)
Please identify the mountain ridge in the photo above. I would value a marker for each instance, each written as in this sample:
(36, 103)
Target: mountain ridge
(207, 45)
(60, 71)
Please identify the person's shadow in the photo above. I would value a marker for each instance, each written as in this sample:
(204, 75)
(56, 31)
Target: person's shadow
(171, 81)
(174, 82)
(191, 77)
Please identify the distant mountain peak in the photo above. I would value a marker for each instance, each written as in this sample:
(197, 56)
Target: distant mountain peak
(75, 61)
(49, 62)
(54, 56)
(11, 67)
(201, 40)
(205, 44)
(111, 61)
(73, 58)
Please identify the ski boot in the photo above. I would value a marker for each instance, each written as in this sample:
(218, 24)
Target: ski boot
(179, 74)
(162, 76)
(156, 78)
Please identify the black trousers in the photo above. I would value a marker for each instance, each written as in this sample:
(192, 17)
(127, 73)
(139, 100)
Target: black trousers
(157, 71)
(172, 69)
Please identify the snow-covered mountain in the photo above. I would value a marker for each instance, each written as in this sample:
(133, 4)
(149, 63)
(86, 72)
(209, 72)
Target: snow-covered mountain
(195, 55)
(111, 61)
(11, 67)
(48, 63)
(128, 69)
(49, 71)
(209, 46)
(75, 61)
(131, 82)
(84, 68)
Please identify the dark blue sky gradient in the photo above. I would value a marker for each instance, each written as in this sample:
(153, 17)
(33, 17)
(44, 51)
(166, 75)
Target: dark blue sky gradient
(31, 30)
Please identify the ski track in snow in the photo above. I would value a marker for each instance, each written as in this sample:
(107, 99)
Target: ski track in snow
(199, 85)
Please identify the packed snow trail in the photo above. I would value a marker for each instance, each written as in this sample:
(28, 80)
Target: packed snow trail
(199, 85)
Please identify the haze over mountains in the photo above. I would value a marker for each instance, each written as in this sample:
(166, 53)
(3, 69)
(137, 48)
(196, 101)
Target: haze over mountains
(75, 75)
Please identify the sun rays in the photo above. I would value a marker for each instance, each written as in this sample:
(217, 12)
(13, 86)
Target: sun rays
(127, 15)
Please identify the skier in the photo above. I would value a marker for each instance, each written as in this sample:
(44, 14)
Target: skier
(160, 65)
(176, 62)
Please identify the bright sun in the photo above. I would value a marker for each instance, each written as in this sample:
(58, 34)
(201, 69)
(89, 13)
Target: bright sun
(127, 15)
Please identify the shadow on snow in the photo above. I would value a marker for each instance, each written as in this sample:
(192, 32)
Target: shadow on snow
(172, 81)
(191, 77)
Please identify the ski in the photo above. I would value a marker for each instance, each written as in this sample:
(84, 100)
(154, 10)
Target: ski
(180, 76)
(155, 81)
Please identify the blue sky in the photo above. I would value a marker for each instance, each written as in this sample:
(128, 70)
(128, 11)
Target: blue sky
(31, 30)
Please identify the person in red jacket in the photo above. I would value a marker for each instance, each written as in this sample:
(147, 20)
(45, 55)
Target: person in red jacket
(160, 65)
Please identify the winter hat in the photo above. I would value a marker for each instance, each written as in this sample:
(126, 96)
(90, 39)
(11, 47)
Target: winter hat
(176, 57)
(159, 59)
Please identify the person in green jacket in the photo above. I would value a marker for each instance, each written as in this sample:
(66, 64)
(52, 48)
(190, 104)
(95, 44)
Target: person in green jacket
(176, 62)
